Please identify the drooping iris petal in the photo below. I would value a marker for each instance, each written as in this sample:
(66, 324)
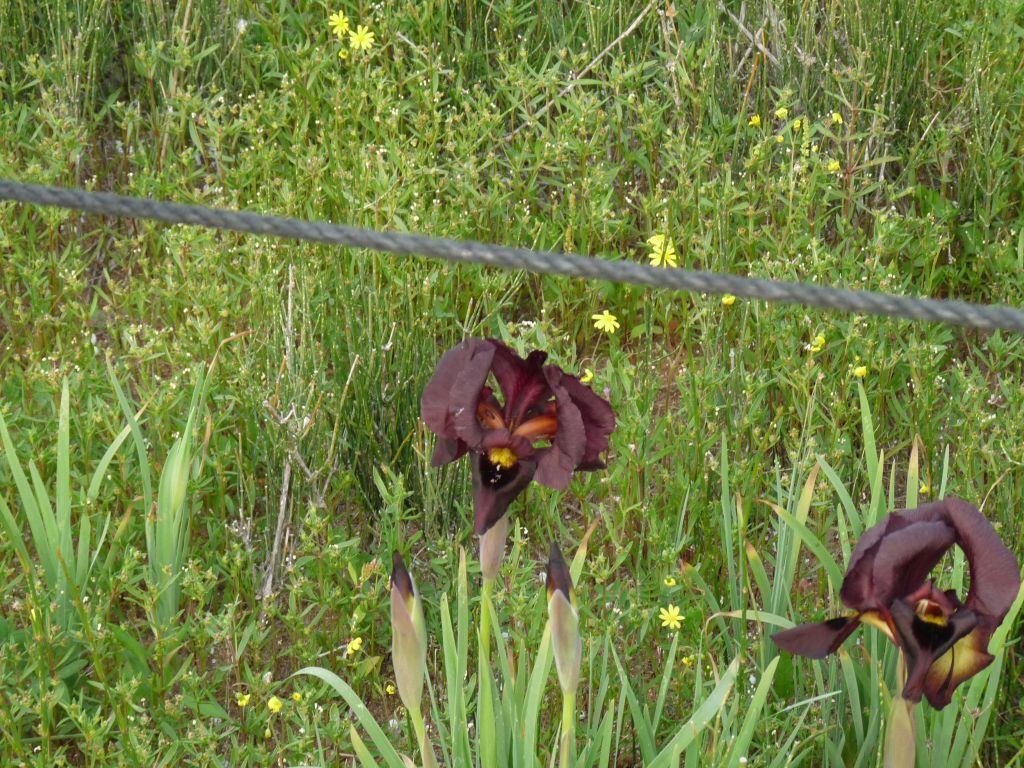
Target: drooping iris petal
(923, 642)
(966, 658)
(495, 487)
(816, 641)
(557, 462)
(598, 420)
(905, 558)
(995, 573)
(858, 584)
(450, 399)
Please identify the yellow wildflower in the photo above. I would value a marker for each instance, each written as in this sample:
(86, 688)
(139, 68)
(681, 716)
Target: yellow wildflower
(671, 617)
(606, 321)
(728, 300)
(267, 734)
(274, 704)
(924, 489)
(778, 139)
(782, 113)
(663, 251)
(343, 53)
(361, 39)
(242, 699)
(390, 689)
(296, 696)
(837, 119)
(817, 343)
(833, 166)
(754, 121)
(587, 377)
(353, 646)
(860, 371)
(339, 24)
(670, 581)
(688, 660)
(796, 124)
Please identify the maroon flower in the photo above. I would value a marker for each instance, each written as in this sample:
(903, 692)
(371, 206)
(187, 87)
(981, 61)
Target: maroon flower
(944, 640)
(546, 426)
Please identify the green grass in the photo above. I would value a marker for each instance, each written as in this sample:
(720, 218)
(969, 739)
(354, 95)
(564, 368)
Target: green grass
(445, 128)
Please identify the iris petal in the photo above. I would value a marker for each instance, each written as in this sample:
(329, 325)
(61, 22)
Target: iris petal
(816, 641)
(967, 657)
(923, 642)
(494, 488)
(522, 382)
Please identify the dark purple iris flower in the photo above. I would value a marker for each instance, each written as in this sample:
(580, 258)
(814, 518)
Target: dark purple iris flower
(546, 426)
(944, 640)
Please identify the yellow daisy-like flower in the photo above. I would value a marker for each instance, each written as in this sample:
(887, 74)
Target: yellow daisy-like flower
(669, 581)
(837, 119)
(796, 124)
(663, 251)
(390, 689)
(606, 321)
(296, 696)
(782, 113)
(274, 704)
(860, 371)
(728, 300)
(353, 646)
(817, 343)
(338, 23)
(343, 53)
(587, 377)
(361, 39)
(242, 699)
(754, 121)
(671, 617)
(779, 139)
(833, 166)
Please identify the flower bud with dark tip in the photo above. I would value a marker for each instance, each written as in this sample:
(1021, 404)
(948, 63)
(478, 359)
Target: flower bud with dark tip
(565, 629)
(492, 548)
(408, 635)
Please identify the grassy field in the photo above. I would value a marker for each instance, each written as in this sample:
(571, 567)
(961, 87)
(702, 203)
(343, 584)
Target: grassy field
(872, 145)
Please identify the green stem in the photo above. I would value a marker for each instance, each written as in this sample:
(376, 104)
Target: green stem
(485, 706)
(568, 729)
(485, 622)
(421, 735)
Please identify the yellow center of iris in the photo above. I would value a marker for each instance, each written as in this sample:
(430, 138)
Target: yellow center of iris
(926, 613)
(503, 457)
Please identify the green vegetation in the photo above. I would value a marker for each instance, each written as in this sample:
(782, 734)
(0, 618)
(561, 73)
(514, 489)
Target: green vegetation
(885, 155)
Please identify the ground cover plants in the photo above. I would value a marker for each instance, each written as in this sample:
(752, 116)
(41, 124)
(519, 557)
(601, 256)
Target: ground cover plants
(212, 444)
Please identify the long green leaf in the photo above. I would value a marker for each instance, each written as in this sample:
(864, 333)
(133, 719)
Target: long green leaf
(41, 538)
(641, 723)
(377, 735)
(359, 746)
(706, 712)
(140, 446)
(742, 743)
(813, 543)
(534, 696)
(63, 498)
(868, 428)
